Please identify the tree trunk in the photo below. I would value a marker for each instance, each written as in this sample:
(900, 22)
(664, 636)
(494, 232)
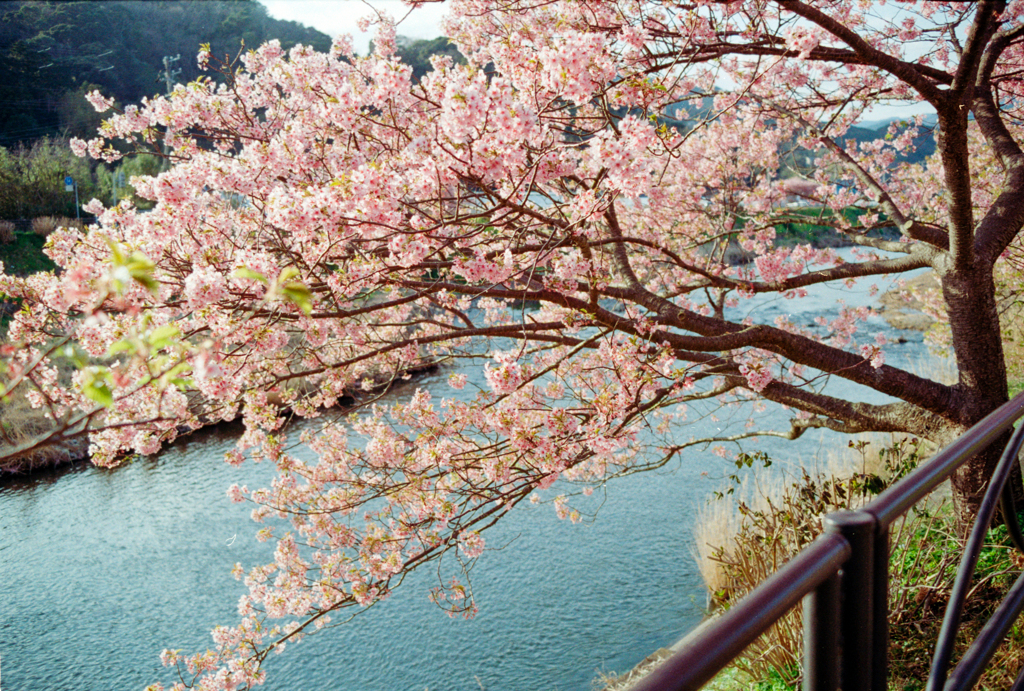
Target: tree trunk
(971, 481)
(977, 344)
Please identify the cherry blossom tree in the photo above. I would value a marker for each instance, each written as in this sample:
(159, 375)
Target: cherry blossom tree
(327, 224)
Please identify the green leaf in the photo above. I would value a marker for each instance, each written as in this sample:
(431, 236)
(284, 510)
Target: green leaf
(121, 346)
(178, 369)
(115, 250)
(249, 273)
(298, 294)
(287, 274)
(171, 376)
(140, 262)
(164, 335)
(140, 268)
(96, 386)
(99, 392)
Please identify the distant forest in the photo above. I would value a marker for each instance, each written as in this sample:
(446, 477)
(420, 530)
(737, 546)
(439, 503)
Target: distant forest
(52, 53)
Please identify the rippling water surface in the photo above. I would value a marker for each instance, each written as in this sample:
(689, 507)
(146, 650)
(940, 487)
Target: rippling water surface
(101, 569)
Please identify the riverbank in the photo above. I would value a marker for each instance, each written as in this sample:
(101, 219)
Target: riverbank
(903, 308)
(19, 422)
(928, 539)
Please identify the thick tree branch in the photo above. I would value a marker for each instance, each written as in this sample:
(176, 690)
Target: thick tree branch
(854, 417)
(978, 38)
(904, 71)
(1005, 217)
(764, 49)
(952, 140)
(715, 336)
(954, 152)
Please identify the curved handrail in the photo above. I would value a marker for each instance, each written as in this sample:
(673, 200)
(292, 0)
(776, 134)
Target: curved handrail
(897, 500)
(814, 572)
(700, 659)
(958, 596)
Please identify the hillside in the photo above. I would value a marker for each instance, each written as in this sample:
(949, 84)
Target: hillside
(52, 52)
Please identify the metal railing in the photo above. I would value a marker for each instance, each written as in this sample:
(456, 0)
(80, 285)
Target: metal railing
(843, 580)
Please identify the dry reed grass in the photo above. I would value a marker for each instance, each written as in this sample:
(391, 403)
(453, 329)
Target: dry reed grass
(719, 521)
(44, 225)
(20, 423)
(1012, 320)
(746, 534)
(6, 232)
(610, 681)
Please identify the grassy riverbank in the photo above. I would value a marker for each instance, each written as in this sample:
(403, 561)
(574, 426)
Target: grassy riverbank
(741, 541)
(744, 535)
(19, 423)
(925, 555)
(25, 255)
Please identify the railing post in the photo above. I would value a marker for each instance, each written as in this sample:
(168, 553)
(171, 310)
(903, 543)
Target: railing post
(821, 636)
(857, 603)
(880, 593)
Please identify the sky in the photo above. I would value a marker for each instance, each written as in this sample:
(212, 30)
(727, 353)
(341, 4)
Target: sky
(335, 17)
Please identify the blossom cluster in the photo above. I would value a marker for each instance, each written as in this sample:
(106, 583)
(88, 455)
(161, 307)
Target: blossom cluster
(535, 215)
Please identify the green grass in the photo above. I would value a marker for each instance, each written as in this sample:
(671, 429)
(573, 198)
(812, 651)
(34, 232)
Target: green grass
(915, 624)
(812, 231)
(913, 633)
(925, 553)
(811, 225)
(25, 255)
(733, 679)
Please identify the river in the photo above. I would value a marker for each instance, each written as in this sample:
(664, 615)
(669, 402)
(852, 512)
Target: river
(101, 569)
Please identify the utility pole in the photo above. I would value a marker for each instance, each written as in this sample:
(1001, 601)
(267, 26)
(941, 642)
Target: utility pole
(169, 74)
(117, 182)
(169, 77)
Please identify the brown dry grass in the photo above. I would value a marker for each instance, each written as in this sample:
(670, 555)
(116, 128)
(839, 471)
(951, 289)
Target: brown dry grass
(19, 424)
(611, 681)
(744, 536)
(1012, 320)
(6, 232)
(44, 225)
(720, 521)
